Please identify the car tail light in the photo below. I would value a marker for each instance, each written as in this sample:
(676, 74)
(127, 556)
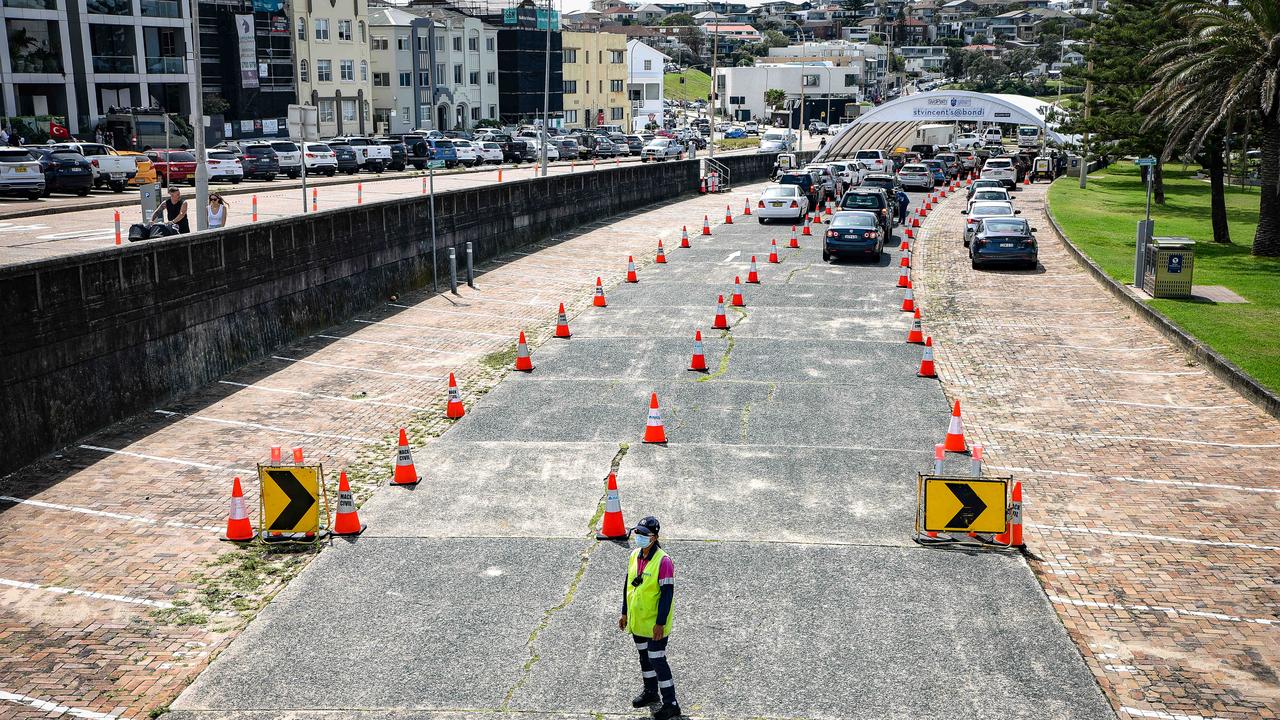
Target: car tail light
(795, 204)
(980, 242)
(1029, 242)
(94, 162)
(970, 221)
(870, 235)
(311, 155)
(761, 204)
(832, 234)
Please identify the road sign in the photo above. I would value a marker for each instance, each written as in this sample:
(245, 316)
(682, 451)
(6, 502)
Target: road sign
(964, 504)
(1147, 161)
(290, 498)
(435, 164)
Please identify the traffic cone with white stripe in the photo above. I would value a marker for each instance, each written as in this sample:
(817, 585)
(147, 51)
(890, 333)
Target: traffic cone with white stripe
(955, 433)
(454, 409)
(721, 322)
(737, 300)
(773, 252)
(699, 362)
(827, 209)
(752, 276)
(653, 430)
(906, 259)
(239, 529)
(904, 278)
(909, 302)
(406, 473)
(1013, 538)
(684, 236)
(926, 363)
(347, 520)
(706, 225)
(598, 298)
(613, 527)
(910, 234)
(915, 222)
(728, 215)
(562, 324)
(631, 270)
(915, 336)
(746, 208)
(794, 244)
(905, 246)
(661, 258)
(806, 231)
(523, 362)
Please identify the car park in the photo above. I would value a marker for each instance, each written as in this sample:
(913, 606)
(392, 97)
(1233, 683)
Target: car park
(804, 180)
(257, 159)
(288, 157)
(348, 160)
(875, 160)
(660, 149)
(782, 202)
(399, 153)
(875, 201)
(65, 171)
(989, 194)
(173, 166)
(512, 150)
(1002, 169)
(320, 159)
(917, 176)
(853, 232)
(20, 174)
(980, 211)
(1004, 240)
(222, 164)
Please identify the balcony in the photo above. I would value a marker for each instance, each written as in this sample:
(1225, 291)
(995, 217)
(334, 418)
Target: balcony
(32, 4)
(166, 65)
(110, 7)
(161, 8)
(113, 64)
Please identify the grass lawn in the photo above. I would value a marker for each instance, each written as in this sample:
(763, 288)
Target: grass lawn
(738, 143)
(697, 85)
(1101, 221)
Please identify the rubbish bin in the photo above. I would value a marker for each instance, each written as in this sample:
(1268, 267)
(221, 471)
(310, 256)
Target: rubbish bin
(1169, 265)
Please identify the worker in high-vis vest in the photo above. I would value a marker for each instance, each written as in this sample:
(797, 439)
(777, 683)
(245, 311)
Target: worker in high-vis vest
(646, 614)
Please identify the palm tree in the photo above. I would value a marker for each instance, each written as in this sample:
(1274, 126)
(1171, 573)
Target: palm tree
(1226, 66)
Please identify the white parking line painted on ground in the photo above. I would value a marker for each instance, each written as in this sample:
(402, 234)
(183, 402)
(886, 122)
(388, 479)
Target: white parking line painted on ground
(1158, 538)
(109, 515)
(1104, 371)
(1161, 715)
(1144, 438)
(1160, 609)
(282, 358)
(475, 313)
(1148, 481)
(388, 323)
(269, 428)
(1102, 349)
(157, 458)
(54, 708)
(321, 396)
(405, 346)
(1161, 406)
(84, 593)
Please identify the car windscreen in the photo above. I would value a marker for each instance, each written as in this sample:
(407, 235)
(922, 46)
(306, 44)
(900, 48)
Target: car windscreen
(180, 157)
(443, 144)
(789, 191)
(319, 148)
(854, 220)
(1005, 227)
(862, 200)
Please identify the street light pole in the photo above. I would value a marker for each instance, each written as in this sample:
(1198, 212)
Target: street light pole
(715, 91)
(197, 124)
(546, 92)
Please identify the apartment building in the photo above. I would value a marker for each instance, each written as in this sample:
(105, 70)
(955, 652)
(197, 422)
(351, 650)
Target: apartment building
(394, 85)
(825, 87)
(595, 78)
(332, 40)
(644, 83)
(246, 59)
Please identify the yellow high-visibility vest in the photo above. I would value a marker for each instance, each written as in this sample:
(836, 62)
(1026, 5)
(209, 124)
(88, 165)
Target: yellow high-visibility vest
(642, 602)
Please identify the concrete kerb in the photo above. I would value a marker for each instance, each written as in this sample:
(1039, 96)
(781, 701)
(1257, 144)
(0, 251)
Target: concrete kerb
(1222, 368)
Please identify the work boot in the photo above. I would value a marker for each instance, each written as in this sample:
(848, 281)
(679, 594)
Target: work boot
(648, 697)
(666, 712)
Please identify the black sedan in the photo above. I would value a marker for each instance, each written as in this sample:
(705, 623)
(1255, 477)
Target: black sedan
(853, 232)
(64, 171)
(347, 161)
(1004, 241)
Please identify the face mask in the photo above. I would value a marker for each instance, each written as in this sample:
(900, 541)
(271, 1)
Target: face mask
(641, 541)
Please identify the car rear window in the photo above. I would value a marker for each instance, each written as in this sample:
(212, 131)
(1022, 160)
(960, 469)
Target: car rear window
(913, 168)
(221, 156)
(181, 157)
(284, 147)
(65, 156)
(862, 200)
(259, 150)
(854, 220)
(443, 144)
(15, 156)
(992, 210)
(989, 195)
(319, 148)
(1000, 164)
(789, 191)
(1005, 226)
(867, 155)
(805, 179)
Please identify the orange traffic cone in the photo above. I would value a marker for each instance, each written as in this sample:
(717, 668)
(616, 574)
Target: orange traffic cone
(773, 252)
(706, 225)
(454, 409)
(909, 233)
(805, 231)
(613, 528)
(684, 236)
(915, 222)
(906, 259)
(909, 302)
(598, 299)
(662, 257)
(562, 324)
(904, 278)
(737, 300)
(721, 322)
(1026, 179)
(699, 361)
(239, 529)
(728, 215)
(347, 521)
(926, 363)
(653, 431)
(703, 188)
(1013, 537)
(915, 336)
(795, 244)
(523, 361)
(752, 276)
(631, 270)
(955, 432)
(905, 246)
(746, 208)
(406, 473)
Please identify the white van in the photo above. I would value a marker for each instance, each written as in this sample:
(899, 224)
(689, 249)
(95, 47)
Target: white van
(875, 160)
(993, 136)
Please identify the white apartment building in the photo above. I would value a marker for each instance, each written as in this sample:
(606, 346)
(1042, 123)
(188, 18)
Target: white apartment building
(391, 73)
(332, 42)
(872, 58)
(644, 83)
(825, 87)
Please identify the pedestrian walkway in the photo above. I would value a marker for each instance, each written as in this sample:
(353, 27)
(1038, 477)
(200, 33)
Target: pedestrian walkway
(1152, 506)
(114, 590)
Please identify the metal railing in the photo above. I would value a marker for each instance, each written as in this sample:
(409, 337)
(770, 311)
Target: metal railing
(166, 65)
(710, 165)
(161, 8)
(114, 64)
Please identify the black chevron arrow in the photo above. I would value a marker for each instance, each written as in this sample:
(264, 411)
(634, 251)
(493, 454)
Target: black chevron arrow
(300, 500)
(972, 505)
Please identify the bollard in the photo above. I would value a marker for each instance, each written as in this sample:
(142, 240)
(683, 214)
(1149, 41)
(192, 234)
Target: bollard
(975, 460)
(572, 165)
(453, 271)
(593, 163)
(359, 193)
(471, 273)
(314, 196)
(275, 455)
(255, 208)
(499, 174)
(117, 227)
(297, 456)
(939, 452)
(424, 186)
(617, 162)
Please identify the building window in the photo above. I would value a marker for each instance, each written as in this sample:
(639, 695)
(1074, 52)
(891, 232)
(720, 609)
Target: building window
(570, 56)
(491, 78)
(362, 37)
(809, 80)
(327, 111)
(617, 57)
(490, 45)
(615, 86)
(406, 79)
(473, 44)
(347, 69)
(324, 71)
(303, 71)
(439, 43)
(615, 113)
(493, 112)
(475, 113)
(570, 87)
(457, 43)
(457, 74)
(302, 29)
(381, 79)
(424, 79)
(344, 30)
(474, 78)
(850, 80)
(648, 64)
(378, 43)
(322, 29)
(402, 43)
(348, 110)
(439, 72)
(571, 116)
(364, 71)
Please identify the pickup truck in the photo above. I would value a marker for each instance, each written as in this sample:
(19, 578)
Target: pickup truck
(370, 154)
(108, 168)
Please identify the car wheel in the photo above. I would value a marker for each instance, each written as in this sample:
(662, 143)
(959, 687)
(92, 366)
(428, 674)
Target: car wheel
(973, 263)
(117, 187)
(269, 178)
(293, 176)
(83, 193)
(762, 221)
(35, 194)
(826, 256)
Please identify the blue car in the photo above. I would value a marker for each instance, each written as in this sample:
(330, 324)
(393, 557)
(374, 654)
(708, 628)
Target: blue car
(939, 171)
(735, 132)
(853, 232)
(1004, 241)
(442, 149)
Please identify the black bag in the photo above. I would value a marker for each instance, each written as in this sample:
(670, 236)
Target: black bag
(138, 231)
(161, 230)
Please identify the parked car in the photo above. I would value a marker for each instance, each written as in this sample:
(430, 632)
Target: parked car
(734, 132)
(981, 211)
(1000, 240)
(109, 169)
(989, 194)
(817, 127)
(223, 164)
(288, 156)
(853, 232)
(804, 180)
(65, 171)
(370, 155)
(599, 145)
(981, 183)
(938, 170)
(967, 141)
(1001, 169)
(917, 176)
(320, 159)
(660, 149)
(786, 202)
(635, 144)
(348, 161)
(567, 146)
(468, 154)
(257, 159)
(173, 166)
(751, 127)
(20, 174)
(399, 153)
(490, 152)
(444, 151)
(512, 150)
(875, 201)
(877, 161)
(146, 171)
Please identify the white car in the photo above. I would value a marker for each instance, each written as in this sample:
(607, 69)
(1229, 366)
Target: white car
(777, 141)
(468, 152)
(916, 175)
(989, 194)
(849, 172)
(875, 160)
(785, 202)
(993, 136)
(982, 211)
(751, 127)
(1001, 169)
(20, 174)
(967, 141)
(320, 159)
(660, 149)
(223, 165)
(290, 157)
(490, 152)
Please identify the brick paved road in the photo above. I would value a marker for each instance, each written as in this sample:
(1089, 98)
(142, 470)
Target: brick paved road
(1152, 501)
(114, 591)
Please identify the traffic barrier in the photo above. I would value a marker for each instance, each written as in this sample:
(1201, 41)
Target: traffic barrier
(347, 520)
(405, 473)
(728, 215)
(598, 299)
(752, 276)
(746, 208)
(910, 234)
(315, 199)
(955, 432)
(523, 362)
(906, 259)
(239, 529)
(593, 164)
(773, 251)
(975, 460)
(631, 270)
(118, 239)
(805, 230)
(699, 361)
(661, 257)
(562, 324)
(926, 363)
(654, 433)
(359, 193)
(915, 335)
(737, 300)
(454, 408)
(684, 236)
(1013, 538)
(939, 455)
(721, 322)
(255, 208)
(613, 527)
(909, 302)
(904, 277)
(794, 244)
(499, 174)
(706, 225)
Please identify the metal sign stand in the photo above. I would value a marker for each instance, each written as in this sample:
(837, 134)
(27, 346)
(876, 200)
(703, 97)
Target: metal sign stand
(1146, 228)
(323, 522)
(925, 535)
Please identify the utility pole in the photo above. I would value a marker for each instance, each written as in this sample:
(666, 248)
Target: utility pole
(546, 92)
(1088, 97)
(715, 91)
(197, 122)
